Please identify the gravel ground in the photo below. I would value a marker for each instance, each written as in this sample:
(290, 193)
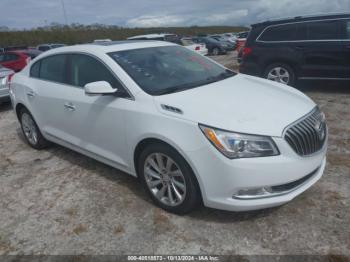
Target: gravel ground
(57, 201)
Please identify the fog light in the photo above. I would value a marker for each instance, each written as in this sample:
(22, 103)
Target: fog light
(250, 193)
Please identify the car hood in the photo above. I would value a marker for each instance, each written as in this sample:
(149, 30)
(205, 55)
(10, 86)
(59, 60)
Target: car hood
(241, 103)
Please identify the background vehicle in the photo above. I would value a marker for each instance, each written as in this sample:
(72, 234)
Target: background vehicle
(31, 52)
(214, 47)
(241, 40)
(46, 47)
(138, 106)
(306, 48)
(173, 38)
(199, 48)
(102, 40)
(14, 60)
(5, 73)
(229, 46)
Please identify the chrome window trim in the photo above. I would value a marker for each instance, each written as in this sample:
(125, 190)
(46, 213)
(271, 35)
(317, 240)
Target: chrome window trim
(300, 22)
(131, 97)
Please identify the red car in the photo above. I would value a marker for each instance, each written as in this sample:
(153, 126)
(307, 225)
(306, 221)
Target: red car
(14, 60)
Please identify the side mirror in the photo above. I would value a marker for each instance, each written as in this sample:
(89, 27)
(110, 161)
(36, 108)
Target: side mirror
(99, 88)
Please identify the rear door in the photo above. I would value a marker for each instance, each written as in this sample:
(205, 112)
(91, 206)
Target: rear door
(321, 48)
(46, 94)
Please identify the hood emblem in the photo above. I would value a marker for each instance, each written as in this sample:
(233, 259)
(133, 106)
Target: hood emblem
(320, 128)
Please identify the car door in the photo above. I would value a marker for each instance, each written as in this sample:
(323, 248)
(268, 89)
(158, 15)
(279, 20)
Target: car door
(346, 47)
(96, 122)
(321, 49)
(46, 92)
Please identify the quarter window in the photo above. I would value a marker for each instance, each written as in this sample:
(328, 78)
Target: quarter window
(85, 69)
(35, 70)
(53, 68)
(323, 30)
(280, 33)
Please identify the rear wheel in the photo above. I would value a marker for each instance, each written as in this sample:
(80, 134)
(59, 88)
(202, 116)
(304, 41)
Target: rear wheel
(281, 73)
(31, 131)
(168, 179)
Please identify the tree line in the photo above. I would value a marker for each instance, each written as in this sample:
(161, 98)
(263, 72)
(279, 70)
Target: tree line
(78, 34)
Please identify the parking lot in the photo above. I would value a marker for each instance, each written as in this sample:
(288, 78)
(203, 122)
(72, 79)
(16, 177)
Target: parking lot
(57, 201)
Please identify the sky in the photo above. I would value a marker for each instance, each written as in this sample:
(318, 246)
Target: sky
(153, 13)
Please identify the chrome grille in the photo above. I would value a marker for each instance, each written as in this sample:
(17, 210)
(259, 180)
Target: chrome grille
(308, 135)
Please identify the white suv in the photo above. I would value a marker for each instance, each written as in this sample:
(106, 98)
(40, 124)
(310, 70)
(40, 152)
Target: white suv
(190, 129)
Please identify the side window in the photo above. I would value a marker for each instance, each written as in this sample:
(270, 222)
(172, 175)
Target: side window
(322, 30)
(53, 68)
(346, 29)
(280, 33)
(35, 70)
(8, 57)
(84, 69)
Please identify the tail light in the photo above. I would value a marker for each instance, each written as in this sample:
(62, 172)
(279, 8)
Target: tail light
(8, 80)
(246, 51)
(197, 48)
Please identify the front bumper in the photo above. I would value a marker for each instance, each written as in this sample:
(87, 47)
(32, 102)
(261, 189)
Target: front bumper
(221, 179)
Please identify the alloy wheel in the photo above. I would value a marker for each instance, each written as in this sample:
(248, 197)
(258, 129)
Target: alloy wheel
(279, 74)
(165, 179)
(29, 128)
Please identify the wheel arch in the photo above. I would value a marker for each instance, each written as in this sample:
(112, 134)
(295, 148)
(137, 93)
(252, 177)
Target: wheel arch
(141, 145)
(292, 64)
(18, 109)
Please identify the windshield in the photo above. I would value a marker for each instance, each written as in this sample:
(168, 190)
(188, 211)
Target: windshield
(169, 69)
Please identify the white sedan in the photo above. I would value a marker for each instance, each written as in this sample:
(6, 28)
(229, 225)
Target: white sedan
(191, 130)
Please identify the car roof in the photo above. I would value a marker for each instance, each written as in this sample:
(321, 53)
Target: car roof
(302, 19)
(108, 47)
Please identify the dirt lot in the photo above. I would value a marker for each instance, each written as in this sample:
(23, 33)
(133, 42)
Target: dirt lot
(57, 201)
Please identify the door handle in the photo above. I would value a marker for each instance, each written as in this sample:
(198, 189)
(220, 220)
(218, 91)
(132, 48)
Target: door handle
(69, 106)
(30, 94)
(300, 48)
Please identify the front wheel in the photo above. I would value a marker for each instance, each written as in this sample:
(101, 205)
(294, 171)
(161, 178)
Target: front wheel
(281, 73)
(216, 51)
(168, 179)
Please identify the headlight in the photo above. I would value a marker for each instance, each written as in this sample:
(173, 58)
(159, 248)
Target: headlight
(236, 145)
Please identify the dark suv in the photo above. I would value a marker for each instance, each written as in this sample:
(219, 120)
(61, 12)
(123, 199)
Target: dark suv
(309, 48)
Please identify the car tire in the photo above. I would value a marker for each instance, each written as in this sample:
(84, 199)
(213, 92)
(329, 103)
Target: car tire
(280, 72)
(215, 51)
(158, 176)
(31, 131)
